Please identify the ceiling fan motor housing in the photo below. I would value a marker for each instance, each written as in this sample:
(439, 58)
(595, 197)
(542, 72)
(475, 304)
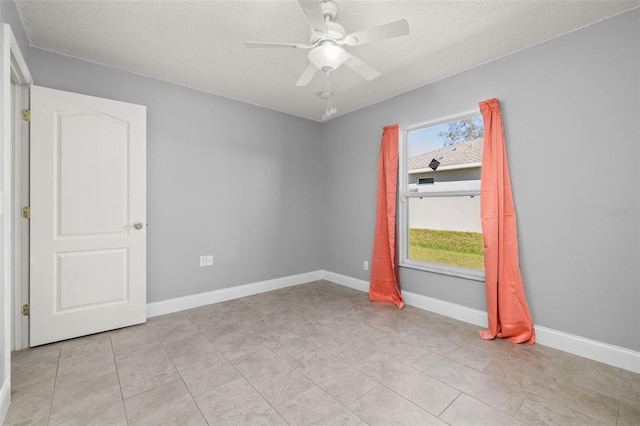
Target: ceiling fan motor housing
(335, 32)
(330, 9)
(328, 56)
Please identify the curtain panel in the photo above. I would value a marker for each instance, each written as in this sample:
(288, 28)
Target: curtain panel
(507, 308)
(385, 282)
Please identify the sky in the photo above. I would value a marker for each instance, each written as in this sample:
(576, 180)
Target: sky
(425, 140)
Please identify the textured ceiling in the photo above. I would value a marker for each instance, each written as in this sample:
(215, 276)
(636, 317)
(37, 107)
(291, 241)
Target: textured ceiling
(200, 44)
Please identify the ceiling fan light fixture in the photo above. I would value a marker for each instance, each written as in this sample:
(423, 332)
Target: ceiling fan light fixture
(328, 57)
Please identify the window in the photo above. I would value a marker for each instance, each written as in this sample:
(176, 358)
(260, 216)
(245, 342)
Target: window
(425, 180)
(439, 189)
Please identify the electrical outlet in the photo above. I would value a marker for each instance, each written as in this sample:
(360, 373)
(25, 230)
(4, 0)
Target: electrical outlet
(203, 260)
(209, 260)
(366, 266)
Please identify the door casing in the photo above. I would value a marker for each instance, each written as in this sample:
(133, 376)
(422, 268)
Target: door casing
(15, 80)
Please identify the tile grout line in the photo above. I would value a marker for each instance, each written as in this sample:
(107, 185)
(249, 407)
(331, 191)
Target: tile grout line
(332, 397)
(293, 368)
(178, 371)
(55, 382)
(372, 378)
(251, 384)
(526, 398)
(115, 363)
(451, 403)
(238, 371)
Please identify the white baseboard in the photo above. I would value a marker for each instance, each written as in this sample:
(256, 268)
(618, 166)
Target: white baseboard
(448, 309)
(588, 348)
(581, 346)
(346, 281)
(577, 345)
(5, 399)
(452, 310)
(193, 301)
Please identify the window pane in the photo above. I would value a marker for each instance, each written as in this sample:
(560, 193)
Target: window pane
(446, 230)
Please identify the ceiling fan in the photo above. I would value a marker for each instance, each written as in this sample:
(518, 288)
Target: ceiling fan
(327, 38)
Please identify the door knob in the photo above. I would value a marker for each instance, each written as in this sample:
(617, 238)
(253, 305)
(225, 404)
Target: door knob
(137, 225)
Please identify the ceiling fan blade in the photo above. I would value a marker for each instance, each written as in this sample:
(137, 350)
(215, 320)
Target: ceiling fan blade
(391, 30)
(361, 68)
(284, 45)
(313, 12)
(307, 75)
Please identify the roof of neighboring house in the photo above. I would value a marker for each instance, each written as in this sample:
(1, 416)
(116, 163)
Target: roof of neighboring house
(459, 153)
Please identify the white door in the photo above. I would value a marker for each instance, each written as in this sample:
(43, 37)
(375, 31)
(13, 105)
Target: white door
(88, 213)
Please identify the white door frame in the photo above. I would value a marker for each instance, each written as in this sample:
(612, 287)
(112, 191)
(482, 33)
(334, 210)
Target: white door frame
(20, 93)
(13, 71)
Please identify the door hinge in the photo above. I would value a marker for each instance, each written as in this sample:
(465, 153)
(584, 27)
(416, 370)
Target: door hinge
(26, 114)
(26, 212)
(25, 310)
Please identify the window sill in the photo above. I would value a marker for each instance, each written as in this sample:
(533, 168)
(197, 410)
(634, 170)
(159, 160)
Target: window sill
(453, 271)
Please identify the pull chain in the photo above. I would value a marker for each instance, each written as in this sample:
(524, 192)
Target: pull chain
(331, 109)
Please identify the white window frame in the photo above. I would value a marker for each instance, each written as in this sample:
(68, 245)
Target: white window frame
(472, 189)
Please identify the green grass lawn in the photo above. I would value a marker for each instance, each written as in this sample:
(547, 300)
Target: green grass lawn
(464, 249)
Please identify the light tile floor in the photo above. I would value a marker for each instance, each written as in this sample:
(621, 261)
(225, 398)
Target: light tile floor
(318, 354)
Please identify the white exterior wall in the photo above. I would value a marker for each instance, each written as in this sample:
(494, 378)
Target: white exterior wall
(445, 213)
(447, 175)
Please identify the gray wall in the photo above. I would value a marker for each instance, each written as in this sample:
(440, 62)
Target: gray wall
(571, 111)
(9, 15)
(224, 178)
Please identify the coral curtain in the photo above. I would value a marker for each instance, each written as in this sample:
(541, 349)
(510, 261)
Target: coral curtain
(385, 283)
(509, 315)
